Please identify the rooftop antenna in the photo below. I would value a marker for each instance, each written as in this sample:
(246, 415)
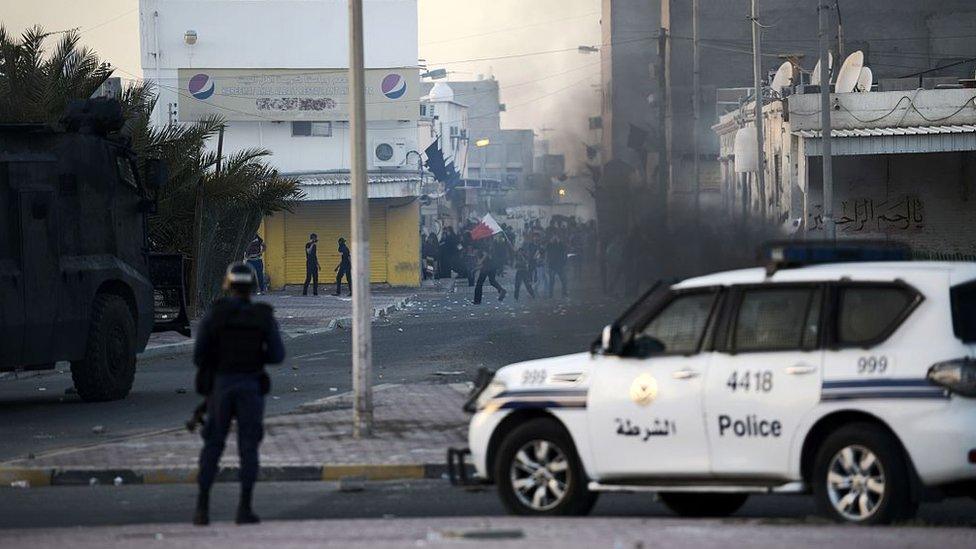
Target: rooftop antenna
(850, 73)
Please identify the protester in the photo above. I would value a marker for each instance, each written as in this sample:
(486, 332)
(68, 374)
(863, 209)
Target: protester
(448, 252)
(254, 255)
(344, 268)
(523, 269)
(234, 342)
(556, 261)
(430, 253)
(311, 264)
(487, 270)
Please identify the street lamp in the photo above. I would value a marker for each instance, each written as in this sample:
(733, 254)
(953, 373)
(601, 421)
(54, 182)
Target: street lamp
(483, 145)
(189, 38)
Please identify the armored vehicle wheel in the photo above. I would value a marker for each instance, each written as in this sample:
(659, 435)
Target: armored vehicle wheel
(538, 472)
(861, 475)
(109, 366)
(703, 505)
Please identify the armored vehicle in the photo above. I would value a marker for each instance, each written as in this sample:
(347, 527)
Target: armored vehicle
(76, 273)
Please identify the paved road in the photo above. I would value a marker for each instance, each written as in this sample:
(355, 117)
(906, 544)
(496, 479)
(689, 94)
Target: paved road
(445, 334)
(111, 505)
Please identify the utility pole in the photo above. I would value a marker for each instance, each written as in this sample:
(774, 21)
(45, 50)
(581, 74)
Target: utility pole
(696, 98)
(362, 349)
(757, 83)
(664, 115)
(840, 31)
(825, 128)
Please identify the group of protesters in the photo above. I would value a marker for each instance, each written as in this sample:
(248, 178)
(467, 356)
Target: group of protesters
(541, 257)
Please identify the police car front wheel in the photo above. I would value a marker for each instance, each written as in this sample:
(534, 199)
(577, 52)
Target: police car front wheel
(538, 472)
(861, 475)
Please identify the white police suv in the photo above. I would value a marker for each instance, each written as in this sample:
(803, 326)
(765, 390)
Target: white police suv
(853, 380)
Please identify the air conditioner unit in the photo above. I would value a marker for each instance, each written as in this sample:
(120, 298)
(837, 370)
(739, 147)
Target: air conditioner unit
(388, 152)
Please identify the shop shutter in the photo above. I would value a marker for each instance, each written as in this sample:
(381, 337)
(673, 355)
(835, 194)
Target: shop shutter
(330, 220)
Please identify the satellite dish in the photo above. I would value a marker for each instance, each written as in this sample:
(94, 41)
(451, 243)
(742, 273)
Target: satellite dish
(865, 80)
(849, 73)
(815, 77)
(783, 77)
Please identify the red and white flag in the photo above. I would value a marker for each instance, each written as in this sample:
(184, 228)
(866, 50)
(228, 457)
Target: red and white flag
(486, 228)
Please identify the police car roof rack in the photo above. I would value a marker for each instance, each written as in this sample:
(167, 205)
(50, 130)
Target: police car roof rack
(789, 255)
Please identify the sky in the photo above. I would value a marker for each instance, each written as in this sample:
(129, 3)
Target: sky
(552, 93)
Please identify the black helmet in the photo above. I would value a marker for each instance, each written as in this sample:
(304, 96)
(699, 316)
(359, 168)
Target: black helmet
(342, 240)
(241, 277)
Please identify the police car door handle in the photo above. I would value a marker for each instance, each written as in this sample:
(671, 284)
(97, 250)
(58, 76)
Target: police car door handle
(685, 374)
(801, 370)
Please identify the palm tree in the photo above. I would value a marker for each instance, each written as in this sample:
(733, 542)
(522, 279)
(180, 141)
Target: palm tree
(35, 88)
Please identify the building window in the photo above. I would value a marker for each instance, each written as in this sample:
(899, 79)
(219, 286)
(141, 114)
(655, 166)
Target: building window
(311, 129)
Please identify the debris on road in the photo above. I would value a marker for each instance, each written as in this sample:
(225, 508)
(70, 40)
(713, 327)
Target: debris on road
(98, 429)
(352, 484)
(20, 484)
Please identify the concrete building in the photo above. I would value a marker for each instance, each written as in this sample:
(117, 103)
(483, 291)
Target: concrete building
(444, 120)
(898, 37)
(276, 72)
(481, 97)
(904, 168)
(508, 157)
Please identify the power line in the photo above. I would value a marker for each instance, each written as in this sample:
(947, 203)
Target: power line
(83, 30)
(543, 52)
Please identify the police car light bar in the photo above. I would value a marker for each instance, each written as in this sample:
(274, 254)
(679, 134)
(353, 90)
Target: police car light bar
(784, 255)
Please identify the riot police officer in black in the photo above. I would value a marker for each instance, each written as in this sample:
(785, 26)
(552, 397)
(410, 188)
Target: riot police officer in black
(234, 342)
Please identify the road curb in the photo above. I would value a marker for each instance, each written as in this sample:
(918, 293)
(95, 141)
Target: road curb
(28, 477)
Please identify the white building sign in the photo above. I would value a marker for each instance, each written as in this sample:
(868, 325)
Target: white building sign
(295, 94)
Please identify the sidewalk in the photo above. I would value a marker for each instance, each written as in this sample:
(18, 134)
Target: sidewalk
(414, 426)
(300, 315)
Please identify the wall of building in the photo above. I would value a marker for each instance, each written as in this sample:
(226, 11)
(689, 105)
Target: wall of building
(446, 122)
(309, 154)
(926, 200)
(481, 98)
(394, 240)
(507, 159)
(271, 34)
(403, 243)
(929, 34)
(628, 52)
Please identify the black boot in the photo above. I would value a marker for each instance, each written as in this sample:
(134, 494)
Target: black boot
(202, 515)
(244, 513)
